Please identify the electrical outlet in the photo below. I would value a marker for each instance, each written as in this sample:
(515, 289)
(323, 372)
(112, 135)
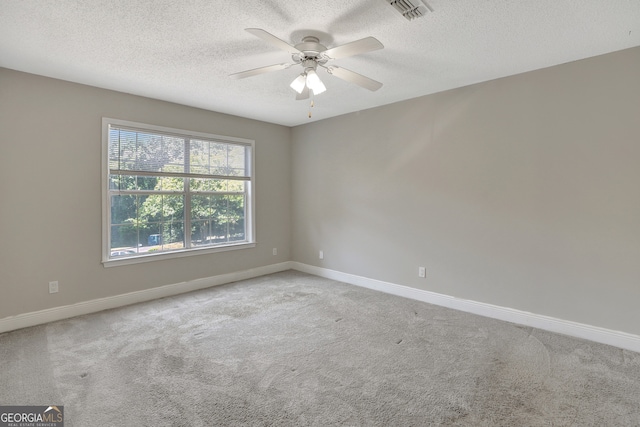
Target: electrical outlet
(321, 255)
(53, 287)
(422, 272)
(275, 251)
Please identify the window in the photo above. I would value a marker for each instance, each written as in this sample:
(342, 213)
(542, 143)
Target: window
(169, 192)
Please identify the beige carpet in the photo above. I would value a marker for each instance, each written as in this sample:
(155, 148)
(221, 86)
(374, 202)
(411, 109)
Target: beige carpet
(294, 349)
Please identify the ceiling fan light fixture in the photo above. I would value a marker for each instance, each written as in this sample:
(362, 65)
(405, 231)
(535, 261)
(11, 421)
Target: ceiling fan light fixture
(309, 54)
(299, 83)
(314, 83)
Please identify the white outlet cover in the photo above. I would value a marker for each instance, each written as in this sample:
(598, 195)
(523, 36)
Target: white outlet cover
(53, 287)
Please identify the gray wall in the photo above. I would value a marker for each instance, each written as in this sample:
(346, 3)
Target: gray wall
(522, 192)
(50, 207)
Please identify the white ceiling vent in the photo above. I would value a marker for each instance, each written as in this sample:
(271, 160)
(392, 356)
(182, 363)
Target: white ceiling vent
(411, 9)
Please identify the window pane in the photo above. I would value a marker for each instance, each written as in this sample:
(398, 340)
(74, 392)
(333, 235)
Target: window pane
(122, 182)
(148, 152)
(124, 240)
(236, 160)
(236, 186)
(211, 220)
(201, 233)
(125, 225)
(158, 153)
(219, 233)
(173, 150)
(172, 235)
(169, 183)
(151, 238)
(172, 208)
(200, 156)
(236, 231)
(218, 206)
(172, 222)
(146, 182)
(235, 208)
(131, 150)
(235, 217)
(150, 208)
(203, 184)
(217, 185)
(217, 158)
(201, 208)
(124, 209)
(114, 149)
(122, 149)
(218, 219)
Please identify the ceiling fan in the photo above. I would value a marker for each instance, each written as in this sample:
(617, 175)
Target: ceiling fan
(310, 54)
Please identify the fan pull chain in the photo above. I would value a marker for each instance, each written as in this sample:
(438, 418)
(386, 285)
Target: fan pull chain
(311, 104)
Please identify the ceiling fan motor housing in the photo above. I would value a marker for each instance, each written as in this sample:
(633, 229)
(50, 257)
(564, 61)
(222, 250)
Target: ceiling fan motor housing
(310, 46)
(310, 50)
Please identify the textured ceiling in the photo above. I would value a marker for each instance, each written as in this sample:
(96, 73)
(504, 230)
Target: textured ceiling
(184, 51)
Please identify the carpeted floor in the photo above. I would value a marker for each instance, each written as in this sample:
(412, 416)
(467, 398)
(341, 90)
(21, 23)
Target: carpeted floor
(294, 349)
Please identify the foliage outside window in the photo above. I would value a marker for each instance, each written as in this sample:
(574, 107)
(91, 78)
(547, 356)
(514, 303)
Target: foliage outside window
(169, 191)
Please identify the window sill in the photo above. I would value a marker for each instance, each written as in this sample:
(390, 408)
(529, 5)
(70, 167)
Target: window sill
(115, 262)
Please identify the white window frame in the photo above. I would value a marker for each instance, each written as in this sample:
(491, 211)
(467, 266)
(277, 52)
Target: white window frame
(249, 242)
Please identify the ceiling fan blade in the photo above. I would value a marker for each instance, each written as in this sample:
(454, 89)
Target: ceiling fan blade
(261, 70)
(352, 77)
(357, 47)
(270, 38)
(303, 95)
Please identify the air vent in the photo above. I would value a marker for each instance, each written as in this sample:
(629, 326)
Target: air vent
(411, 9)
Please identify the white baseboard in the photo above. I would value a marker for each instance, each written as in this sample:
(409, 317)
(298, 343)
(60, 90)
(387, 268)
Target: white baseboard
(58, 313)
(574, 329)
(593, 333)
